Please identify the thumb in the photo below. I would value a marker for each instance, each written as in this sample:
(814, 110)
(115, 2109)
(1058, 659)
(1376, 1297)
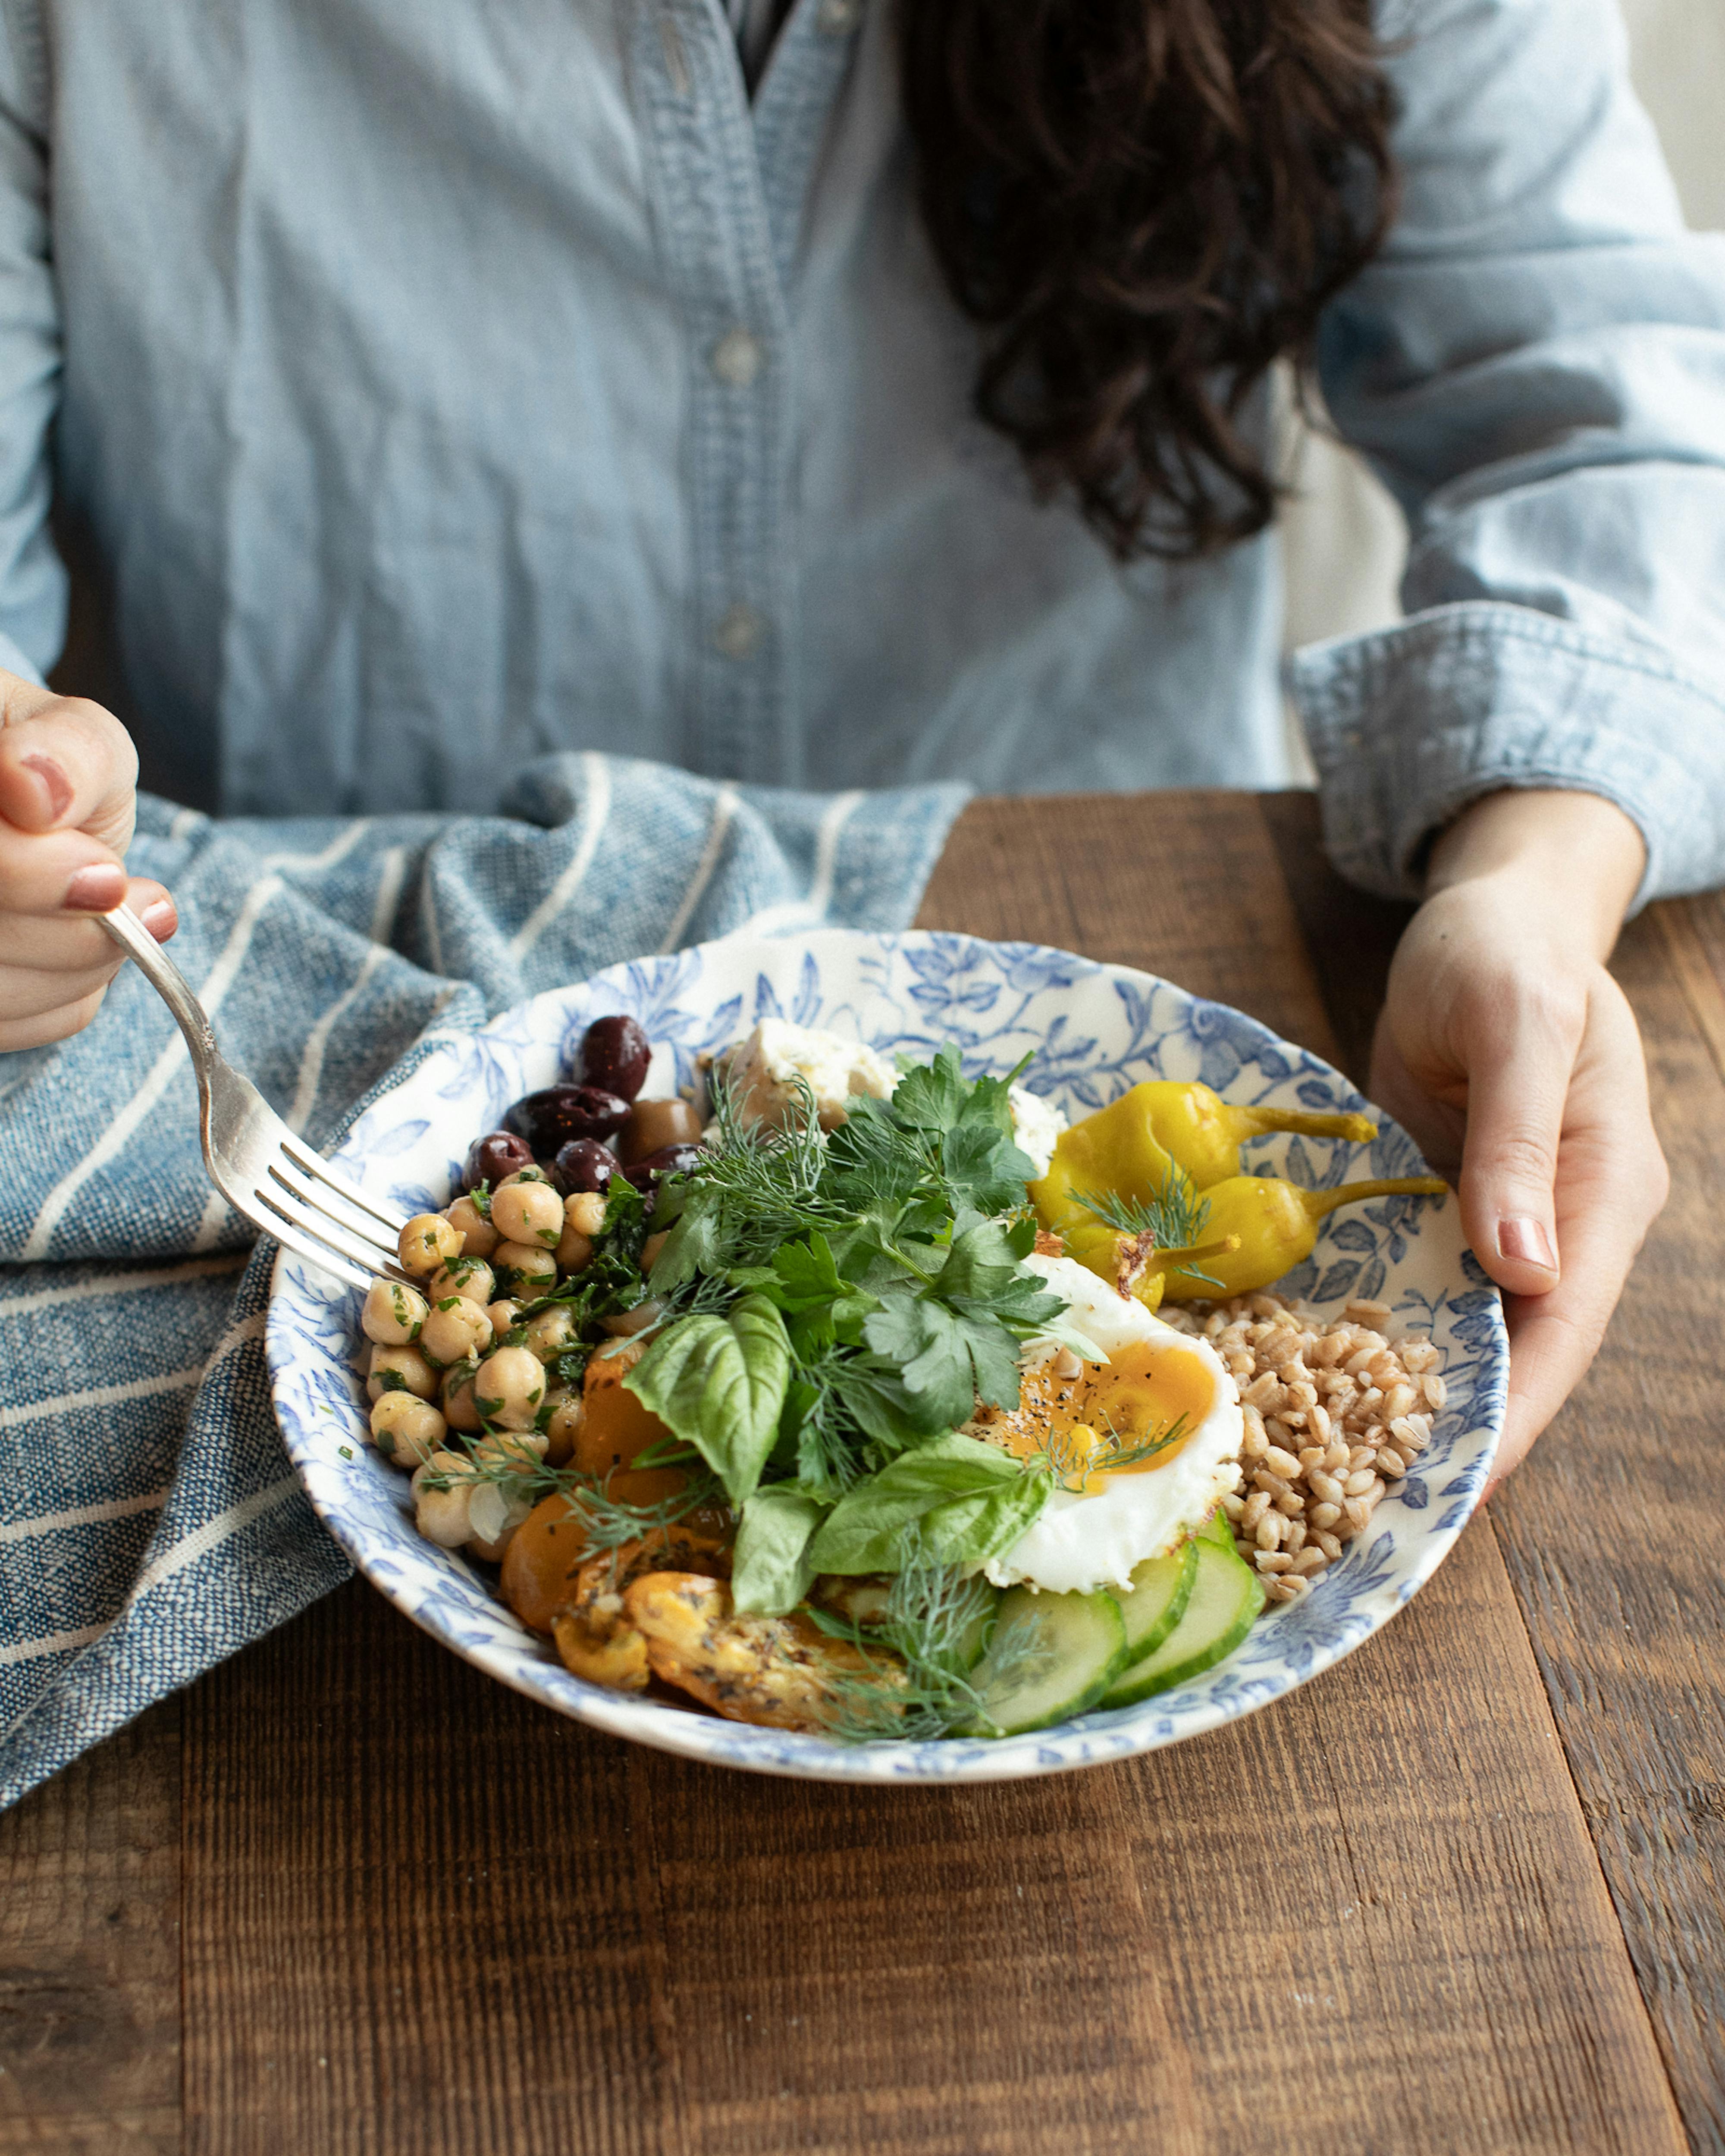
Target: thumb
(65, 765)
(1516, 1095)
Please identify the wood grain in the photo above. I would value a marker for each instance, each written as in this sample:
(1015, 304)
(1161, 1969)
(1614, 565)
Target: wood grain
(1611, 1532)
(431, 1917)
(90, 1997)
(1351, 939)
(1623, 1599)
(371, 1902)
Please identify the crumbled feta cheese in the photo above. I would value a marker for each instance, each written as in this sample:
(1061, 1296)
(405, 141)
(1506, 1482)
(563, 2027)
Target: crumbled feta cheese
(1036, 1124)
(763, 1069)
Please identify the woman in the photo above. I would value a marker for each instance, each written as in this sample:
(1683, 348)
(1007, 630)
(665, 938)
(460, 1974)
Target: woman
(835, 397)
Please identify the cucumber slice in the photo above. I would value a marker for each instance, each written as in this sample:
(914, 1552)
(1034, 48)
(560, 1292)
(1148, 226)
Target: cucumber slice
(1051, 1656)
(1156, 1601)
(1225, 1599)
(977, 1635)
(1217, 1529)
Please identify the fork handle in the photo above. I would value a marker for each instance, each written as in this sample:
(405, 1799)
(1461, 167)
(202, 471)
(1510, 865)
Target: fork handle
(170, 984)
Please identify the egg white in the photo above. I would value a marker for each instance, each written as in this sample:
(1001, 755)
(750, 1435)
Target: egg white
(1078, 1544)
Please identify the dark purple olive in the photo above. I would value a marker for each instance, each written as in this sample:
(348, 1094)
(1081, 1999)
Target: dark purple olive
(668, 1160)
(489, 1159)
(614, 1054)
(582, 1164)
(550, 1119)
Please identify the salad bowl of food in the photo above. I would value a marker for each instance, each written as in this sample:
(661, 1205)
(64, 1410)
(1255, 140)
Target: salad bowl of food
(893, 1357)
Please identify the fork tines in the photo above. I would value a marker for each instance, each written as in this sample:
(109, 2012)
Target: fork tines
(321, 1214)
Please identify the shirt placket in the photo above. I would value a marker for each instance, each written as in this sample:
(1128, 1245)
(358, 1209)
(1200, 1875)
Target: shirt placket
(728, 185)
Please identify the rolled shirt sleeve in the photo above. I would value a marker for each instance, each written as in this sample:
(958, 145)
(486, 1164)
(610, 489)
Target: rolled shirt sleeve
(1535, 365)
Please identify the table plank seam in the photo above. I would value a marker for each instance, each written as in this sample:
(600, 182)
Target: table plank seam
(1593, 1843)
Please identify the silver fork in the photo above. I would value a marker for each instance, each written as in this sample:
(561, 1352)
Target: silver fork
(254, 1160)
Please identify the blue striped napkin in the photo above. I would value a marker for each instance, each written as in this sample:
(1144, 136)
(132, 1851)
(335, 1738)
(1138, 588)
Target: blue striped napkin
(150, 1522)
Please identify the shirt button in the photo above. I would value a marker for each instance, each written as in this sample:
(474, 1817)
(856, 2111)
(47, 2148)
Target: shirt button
(838, 18)
(738, 632)
(737, 358)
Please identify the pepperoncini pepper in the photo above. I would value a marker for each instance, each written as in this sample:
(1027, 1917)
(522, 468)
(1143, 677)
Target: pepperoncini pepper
(1138, 1265)
(1116, 1151)
(1203, 1133)
(1161, 1132)
(1275, 1224)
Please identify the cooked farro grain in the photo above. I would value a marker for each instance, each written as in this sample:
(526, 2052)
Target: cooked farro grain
(1335, 1410)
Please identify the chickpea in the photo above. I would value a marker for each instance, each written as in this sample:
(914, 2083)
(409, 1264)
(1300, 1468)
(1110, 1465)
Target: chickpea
(651, 1248)
(562, 1426)
(426, 1242)
(478, 1238)
(573, 1252)
(527, 1266)
(460, 1410)
(415, 1374)
(532, 1173)
(464, 1276)
(454, 1329)
(393, 1314)
(551, 1332)
(584, 1211)
(528, 1212)
(441, 1514)
(504, 1316)
(406, 1430)
(508, 1388)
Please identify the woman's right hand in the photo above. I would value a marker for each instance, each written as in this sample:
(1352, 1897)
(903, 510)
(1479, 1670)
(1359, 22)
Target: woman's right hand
(68, 793)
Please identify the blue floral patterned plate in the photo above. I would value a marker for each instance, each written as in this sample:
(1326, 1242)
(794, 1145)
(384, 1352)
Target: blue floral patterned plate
(1093, 1031)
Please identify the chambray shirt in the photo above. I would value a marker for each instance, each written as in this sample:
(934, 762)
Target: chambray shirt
(429, 387)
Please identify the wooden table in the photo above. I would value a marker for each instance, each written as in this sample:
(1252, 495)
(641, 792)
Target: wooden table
(1461, 1893)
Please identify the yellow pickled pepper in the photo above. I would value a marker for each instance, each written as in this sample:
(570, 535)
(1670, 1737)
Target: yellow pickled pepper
(1203, 1133)
(1277, 1225)
(1116, 1150)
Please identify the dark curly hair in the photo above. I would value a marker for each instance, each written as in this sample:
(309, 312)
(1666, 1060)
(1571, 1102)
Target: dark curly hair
(1144, 204)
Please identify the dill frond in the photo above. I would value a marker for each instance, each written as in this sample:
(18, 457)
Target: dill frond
(1175, 1218)
(937, 1626)
(1069, 1466)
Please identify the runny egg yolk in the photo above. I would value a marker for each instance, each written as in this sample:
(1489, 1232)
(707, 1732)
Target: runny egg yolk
(1126, 1416)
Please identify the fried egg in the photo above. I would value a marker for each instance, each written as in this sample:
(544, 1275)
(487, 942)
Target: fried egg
(1146, 1443)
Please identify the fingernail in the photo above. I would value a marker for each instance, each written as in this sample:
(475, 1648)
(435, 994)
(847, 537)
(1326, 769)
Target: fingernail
(97, 889)
(54, 782)
(160, 919)
(1525, 1239)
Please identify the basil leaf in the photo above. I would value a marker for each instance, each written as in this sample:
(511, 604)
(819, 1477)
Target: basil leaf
(771, 1570)
(965, 1502)
(719, 1384)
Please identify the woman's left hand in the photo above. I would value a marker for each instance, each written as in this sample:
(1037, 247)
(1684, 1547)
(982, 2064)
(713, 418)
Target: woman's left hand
(1511, 1056)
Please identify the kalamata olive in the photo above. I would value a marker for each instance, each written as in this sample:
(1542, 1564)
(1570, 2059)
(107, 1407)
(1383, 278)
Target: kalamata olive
(652, 1125)
(550, 1119)
(584, 1164)
(489, 1159)
(614, 1054)
(668, 1160)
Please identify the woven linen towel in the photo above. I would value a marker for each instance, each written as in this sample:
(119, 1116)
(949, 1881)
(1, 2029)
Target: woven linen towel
(151, 1523)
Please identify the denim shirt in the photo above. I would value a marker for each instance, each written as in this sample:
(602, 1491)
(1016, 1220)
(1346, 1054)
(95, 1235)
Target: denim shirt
(431, 387)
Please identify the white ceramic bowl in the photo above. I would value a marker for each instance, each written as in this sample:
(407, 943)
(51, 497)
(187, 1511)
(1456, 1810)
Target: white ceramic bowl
(1095, 1029)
